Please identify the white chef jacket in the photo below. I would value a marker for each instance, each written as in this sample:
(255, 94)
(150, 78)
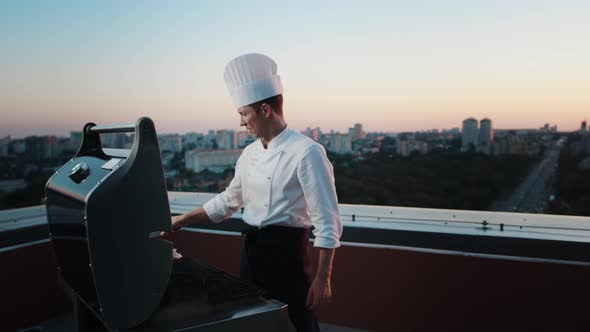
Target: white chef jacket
(291, 183)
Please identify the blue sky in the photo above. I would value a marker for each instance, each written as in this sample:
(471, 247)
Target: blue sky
(390, 65)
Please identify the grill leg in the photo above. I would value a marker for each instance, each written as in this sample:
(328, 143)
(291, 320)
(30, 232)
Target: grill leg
(85, 319)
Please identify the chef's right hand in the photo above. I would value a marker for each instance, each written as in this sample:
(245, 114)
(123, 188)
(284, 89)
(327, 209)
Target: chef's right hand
(176, 223)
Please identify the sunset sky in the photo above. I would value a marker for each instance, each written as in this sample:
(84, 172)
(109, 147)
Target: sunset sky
(390, 65)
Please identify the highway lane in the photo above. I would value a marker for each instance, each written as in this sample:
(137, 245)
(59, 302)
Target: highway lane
(532, 194)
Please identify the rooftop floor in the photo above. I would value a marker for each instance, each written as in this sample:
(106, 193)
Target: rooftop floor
(65, 323)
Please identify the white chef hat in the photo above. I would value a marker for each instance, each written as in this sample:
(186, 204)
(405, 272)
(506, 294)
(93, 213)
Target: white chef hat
(252, 77)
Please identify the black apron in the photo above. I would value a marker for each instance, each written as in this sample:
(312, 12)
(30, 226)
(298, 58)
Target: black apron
(277, 259)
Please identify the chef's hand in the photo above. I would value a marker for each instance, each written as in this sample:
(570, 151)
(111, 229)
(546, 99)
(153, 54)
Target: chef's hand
(319, 293)
(194, 216)
(176, 223)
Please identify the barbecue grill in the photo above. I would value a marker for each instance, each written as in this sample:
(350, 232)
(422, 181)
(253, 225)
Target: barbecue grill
(106, 209)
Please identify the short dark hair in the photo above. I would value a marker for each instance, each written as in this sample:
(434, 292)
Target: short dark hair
(275, 102)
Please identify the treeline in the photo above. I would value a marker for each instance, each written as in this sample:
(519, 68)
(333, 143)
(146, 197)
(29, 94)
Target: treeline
(440, 179)
(572, 186)
(33, 194)
(35, 173)
(204, 181)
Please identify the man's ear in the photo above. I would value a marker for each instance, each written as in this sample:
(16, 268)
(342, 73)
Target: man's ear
(266, 110)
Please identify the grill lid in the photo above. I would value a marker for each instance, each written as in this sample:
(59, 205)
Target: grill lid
(124, 202)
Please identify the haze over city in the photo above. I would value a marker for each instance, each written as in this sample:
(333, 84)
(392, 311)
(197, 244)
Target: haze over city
(394, 66)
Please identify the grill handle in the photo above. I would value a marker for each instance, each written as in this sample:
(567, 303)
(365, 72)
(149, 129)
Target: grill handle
(145, 134)
(115, 128)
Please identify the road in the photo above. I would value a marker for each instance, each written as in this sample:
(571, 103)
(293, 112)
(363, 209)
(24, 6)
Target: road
(532, 194)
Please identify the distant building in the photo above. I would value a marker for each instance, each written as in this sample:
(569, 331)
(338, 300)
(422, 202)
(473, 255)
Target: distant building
(72, 144)
(216, 161)
(210, 140)
(512, 144)
(314, 133)
(307, 132)
(486, 132)
(4, 144)
(340, 143)
(76, 137)
(586, 144)
(470, 133)
(226, 139)
(357, 133)
(116, 140)
(12, 185)
(584, 127)
(405, 147)
(549, 129)
(402, 148)
(421, 147)
(19, 146)
(191, 140)
(243, 139)
(170, 142)
(3, 149)
(41, 147)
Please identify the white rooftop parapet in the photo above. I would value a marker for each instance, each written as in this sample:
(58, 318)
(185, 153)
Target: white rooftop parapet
(521, 225)
(486, 223)
(23, 217)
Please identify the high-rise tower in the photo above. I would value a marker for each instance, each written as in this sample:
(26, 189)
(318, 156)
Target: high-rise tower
(470, 133)
(486, 132)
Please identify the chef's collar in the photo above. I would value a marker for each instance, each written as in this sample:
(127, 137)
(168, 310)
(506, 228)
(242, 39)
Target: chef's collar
(278, 141)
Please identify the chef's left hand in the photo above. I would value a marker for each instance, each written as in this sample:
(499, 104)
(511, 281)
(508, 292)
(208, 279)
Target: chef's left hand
(319, 293)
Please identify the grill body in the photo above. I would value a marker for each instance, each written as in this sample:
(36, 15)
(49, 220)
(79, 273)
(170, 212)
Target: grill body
(105, 210)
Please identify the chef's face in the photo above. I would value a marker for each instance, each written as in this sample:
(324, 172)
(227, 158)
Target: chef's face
(252, 120)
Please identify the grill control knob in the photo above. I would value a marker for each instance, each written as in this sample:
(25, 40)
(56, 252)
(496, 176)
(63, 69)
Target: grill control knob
(79, 172)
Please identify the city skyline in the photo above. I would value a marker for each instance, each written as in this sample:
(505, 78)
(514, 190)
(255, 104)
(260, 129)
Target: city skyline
(206, 131)
(394, 67)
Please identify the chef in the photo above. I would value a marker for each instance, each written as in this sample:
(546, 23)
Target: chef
(285, 183)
